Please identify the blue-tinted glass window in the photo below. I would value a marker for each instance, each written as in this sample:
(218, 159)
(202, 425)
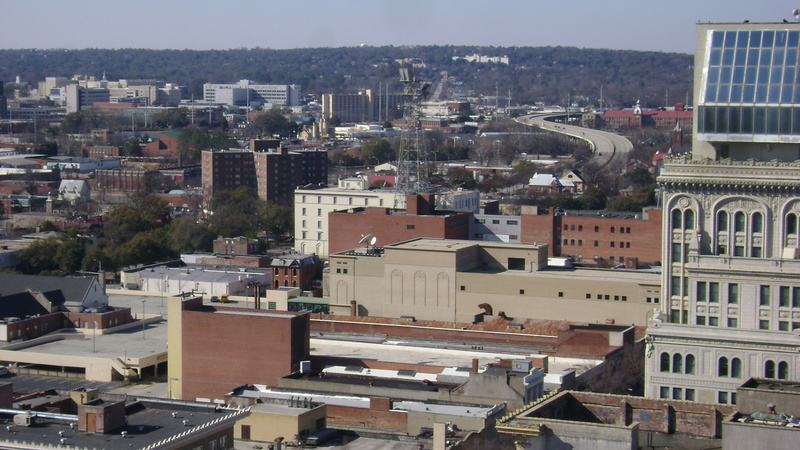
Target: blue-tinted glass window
(716, 39)
(760, 120)
(755, 39)
(711, 120)
(722, 120)
(786, 120)
(725, 75)
(773, 120)
(734, 120)
(727, 57)
(711, 93)
(713, 75)
(715, 58)
(774, 94)
(749, 93)
(767, 38)
(736, 93)
(740, 58)
(763, 75)
(747, 120)
(792, 40)
(701, 119)
(738, 75)
(777, 57)
(791, 57)
(752, 57)
(730, 39)
(766, 57)
(788, 75)
(723, 93)
(761, 93)
(777, 73)
(750, 75)
(743, 39)
(796, 121)
(786, 94)
(780, 39)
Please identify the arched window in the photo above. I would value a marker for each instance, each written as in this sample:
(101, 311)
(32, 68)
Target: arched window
(738, 222)
(722, 222)
(791, 224)
(722, 367)
(664, 362)
(736, 368)
(676, 219)
(690, 364)
(677, 363)
(769, 369)
(688, 222)
(783, 370)
(758, 222)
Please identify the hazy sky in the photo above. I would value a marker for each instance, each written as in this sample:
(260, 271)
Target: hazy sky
(196, 24)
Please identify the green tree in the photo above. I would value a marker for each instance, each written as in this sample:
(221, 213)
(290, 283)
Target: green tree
(188, 236)
(144, 213)
(132, 148)
(273, 122)
(69, 255)
(38, 257)
(461, 178)
(593, 198)
(377, 149)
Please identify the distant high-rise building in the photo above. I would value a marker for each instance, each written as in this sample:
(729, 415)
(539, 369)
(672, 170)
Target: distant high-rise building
(730, 306)
(246, 93)
(273, 173)
(365, 106)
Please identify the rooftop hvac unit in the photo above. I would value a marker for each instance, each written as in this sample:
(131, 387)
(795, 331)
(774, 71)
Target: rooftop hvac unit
(521, 365)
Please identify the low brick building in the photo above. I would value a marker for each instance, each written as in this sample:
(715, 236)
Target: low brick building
(613, 237)
(212, 350)
(419, 219)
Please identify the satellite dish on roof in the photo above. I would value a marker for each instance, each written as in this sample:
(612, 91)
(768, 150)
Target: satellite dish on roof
(366, 238)
(373, 241)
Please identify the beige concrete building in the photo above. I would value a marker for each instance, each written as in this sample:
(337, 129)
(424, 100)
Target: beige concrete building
(311, 208)
(269, 421)
(452, 280)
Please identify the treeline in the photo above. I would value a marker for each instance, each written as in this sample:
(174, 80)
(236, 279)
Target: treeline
(144, 231)
(552, 75)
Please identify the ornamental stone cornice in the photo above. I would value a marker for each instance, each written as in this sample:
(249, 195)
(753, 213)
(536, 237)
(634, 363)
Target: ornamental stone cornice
(683, 174)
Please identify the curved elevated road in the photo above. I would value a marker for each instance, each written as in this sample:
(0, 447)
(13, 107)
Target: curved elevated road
(607, 147)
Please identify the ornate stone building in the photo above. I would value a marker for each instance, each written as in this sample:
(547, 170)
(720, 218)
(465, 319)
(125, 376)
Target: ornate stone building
(730, 305)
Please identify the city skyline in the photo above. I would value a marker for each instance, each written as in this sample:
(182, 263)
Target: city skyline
(623, 25)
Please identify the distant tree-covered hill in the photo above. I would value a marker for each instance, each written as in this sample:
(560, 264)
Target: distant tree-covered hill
(536, 74)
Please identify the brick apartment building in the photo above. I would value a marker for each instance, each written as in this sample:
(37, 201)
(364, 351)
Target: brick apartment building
(212, 350)
(419, 219)
(295, 271)
(273, 173)
(135, 179)
(614, 237)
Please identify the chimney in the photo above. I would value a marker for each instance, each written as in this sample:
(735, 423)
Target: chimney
(474, 365)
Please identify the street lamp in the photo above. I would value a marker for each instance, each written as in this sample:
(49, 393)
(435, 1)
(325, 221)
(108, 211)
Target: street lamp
(94, 337)
(143, 322)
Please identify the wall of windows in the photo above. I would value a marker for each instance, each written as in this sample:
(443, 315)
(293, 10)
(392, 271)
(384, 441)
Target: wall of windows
(750, 75)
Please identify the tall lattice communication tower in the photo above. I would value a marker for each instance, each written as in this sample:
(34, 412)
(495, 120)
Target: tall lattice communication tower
(412, 160)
